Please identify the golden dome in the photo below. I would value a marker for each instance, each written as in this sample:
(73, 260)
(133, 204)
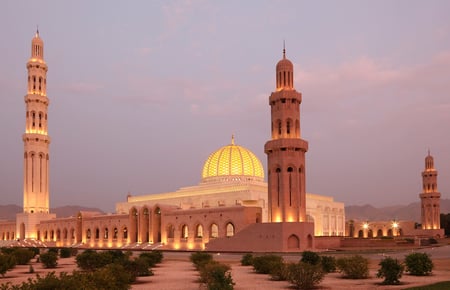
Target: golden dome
(232, 162)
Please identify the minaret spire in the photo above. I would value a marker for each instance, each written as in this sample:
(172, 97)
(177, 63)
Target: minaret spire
(284, 49)
(36, 146)
(232, 139)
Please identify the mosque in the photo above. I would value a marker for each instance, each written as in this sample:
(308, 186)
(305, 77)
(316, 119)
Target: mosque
(231, 209)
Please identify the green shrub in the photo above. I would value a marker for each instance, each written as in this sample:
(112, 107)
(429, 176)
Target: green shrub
(328, 264)
(391, 270)
(88, 260)
(110, 277)
(280, 272)
(355, 267)
(67, 252)
(53, 250)
(267, 263)
(91, 260)
(419, 264)
(136, 267)
(216, 276)
(310, 258)
(153, 257)
(7, 262)
(49, 259)
(305, 275)
(199, 259)
(247, 260)
(23, 255)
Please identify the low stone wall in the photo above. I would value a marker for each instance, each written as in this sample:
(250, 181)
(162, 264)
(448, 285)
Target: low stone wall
(322, 243)
(268, 237)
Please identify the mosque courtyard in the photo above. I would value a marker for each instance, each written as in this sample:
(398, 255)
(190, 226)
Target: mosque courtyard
(177, 272)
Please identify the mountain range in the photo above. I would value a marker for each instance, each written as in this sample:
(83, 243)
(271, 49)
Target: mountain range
(367, 212)
(410, 212)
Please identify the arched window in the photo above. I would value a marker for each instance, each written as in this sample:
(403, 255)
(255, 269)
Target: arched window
(184, 232)
(230, 230)
(97, 233)
(279, 127)
(72, 234)
(115, 233)
(293, 242)
(88, 234)
(125, 233)
(290, 185)
(65, 234)
(105, 234)
(278, 170)
(288, 127)
(170, 231)
(379, 233)
(199, 231)
(214, 231)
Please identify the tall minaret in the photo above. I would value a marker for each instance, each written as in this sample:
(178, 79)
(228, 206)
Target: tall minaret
(430, 197)
(36, 140)
(36, 145)
(286, 150)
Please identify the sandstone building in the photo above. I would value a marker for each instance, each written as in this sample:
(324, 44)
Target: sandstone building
(232, 208)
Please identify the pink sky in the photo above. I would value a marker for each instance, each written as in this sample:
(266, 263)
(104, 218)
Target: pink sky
(142, 92)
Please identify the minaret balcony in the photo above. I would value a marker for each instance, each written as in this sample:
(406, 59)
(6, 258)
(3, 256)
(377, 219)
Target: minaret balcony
(295, 144)
(35, 137)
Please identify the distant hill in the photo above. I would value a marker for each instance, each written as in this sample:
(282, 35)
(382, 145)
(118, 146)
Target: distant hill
(409, 212)
(8, 212)
(356, 212)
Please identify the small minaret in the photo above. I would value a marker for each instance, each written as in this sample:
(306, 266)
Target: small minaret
(286, 150)
(36, 145)
(430, 197)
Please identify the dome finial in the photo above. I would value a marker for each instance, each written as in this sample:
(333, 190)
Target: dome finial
(232, 139)
(284, 49)
(37, 30)
(429, 154)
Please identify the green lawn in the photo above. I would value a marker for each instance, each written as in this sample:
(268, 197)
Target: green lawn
(437, 286)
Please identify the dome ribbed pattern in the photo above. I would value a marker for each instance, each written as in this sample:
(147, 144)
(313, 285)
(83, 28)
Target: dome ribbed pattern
(232, 160)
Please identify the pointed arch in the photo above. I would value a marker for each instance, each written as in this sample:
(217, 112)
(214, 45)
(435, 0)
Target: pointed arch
(199, 231)
(170, 231)
(293, 242)
(184, 232)
(214, 231)
(229, 229)
(379, 233)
